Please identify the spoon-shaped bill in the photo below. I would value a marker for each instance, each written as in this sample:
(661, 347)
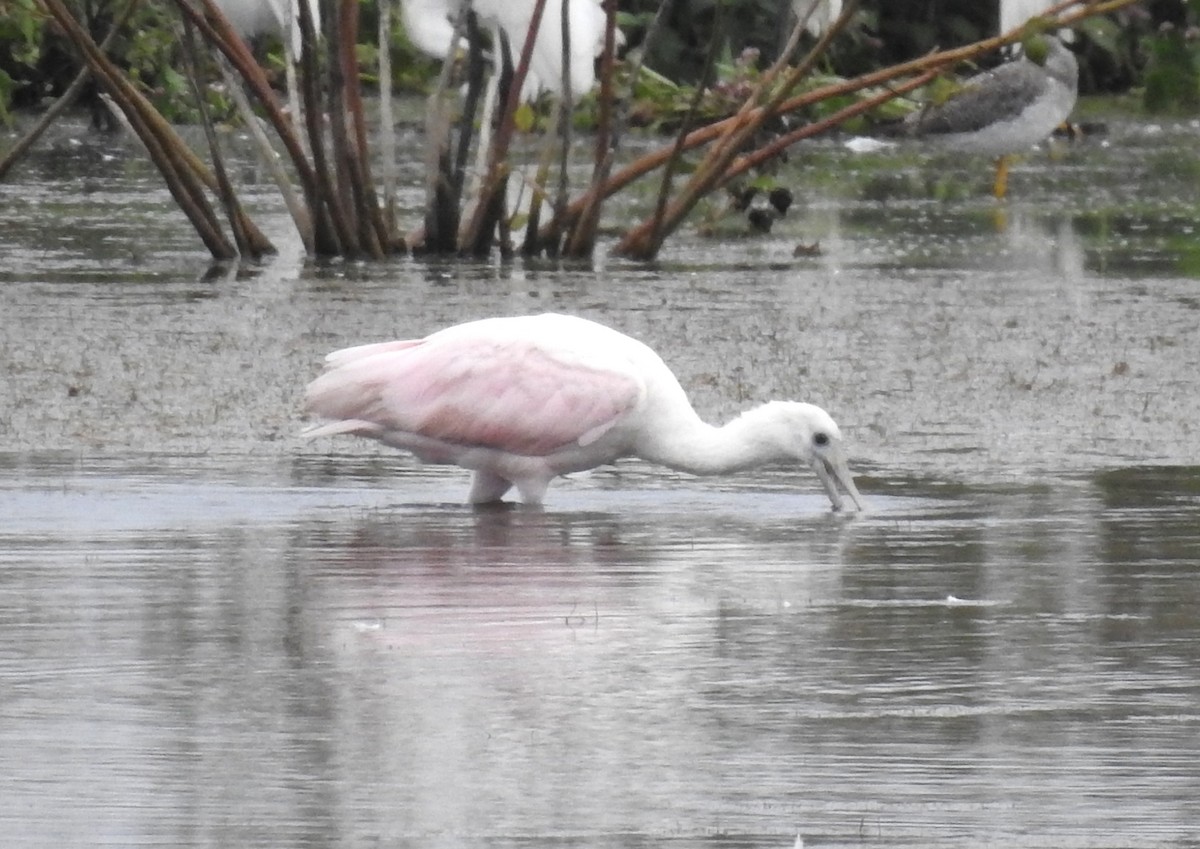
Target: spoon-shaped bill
(833, 472)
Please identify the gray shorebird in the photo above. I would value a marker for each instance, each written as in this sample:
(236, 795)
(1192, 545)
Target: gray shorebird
(1006, 110)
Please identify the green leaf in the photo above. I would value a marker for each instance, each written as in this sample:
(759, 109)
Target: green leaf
(764, 182)
(525, 118)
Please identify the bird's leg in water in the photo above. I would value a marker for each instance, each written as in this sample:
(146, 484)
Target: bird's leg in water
(488, 487)
(1000, 187)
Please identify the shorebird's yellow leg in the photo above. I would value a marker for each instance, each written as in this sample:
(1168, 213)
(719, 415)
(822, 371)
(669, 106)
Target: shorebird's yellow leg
(1000, 187)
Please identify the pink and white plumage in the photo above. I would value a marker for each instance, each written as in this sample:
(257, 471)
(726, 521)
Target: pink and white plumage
(523, 400)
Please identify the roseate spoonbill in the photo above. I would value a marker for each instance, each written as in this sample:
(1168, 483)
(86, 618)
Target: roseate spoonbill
(523, 400)
(1010, 108)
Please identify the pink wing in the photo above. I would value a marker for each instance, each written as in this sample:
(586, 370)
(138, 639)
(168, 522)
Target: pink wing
(358, 352)
(509, 394)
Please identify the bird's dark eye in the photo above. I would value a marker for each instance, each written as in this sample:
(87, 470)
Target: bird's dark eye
(821, 439)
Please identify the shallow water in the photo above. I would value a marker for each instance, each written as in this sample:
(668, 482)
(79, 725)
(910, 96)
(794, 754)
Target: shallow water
(213, 634)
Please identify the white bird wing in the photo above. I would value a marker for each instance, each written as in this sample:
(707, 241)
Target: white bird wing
(509, 394)
(586, 21)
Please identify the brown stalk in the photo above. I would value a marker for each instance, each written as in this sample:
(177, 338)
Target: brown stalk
(65, 101)
(531, 246)
(645, 240)
(296, 206)
(250, 243)
(657, 221)
(562, 131)
(566, 111)
(379, 236)
(778, 145)
(339, 142)
(163, 145)
(489, 209)
(347, 153)
(475, 83)
(216, 31)
(387, 138)
(884, 76)
(328, 201)
(444, 176)
(581, 240)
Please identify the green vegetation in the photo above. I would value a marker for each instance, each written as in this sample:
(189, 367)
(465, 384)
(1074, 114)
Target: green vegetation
(707, 80)
(1152, 48)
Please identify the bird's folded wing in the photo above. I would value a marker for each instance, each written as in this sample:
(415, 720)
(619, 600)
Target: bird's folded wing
(358, 352)
(999, 95)
(509, 395)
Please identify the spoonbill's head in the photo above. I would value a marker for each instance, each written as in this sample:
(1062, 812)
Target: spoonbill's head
(816, 440)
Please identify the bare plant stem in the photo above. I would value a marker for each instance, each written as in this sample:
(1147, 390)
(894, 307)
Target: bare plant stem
(233, 211)
(444, 175)
(489, 210)
(886, 76)
(23, 144)
(582, 239)
(217, 32)
(165, 147)
(645, 240)
(387, 137)
(657, 220)
(274, 165)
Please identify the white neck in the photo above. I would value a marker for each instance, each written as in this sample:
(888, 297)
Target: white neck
(694, 446)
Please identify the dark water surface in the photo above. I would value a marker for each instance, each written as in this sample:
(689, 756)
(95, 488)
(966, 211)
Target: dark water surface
(213, 634)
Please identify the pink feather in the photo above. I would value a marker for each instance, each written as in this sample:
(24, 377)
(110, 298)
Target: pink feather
(486, 388)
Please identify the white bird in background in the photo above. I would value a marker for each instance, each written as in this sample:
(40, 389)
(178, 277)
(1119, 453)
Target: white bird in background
(824, 13)
(586, 19)
(523, 400)
(429, 25)
(251, 18)
(1014, 13)
(268, 17)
